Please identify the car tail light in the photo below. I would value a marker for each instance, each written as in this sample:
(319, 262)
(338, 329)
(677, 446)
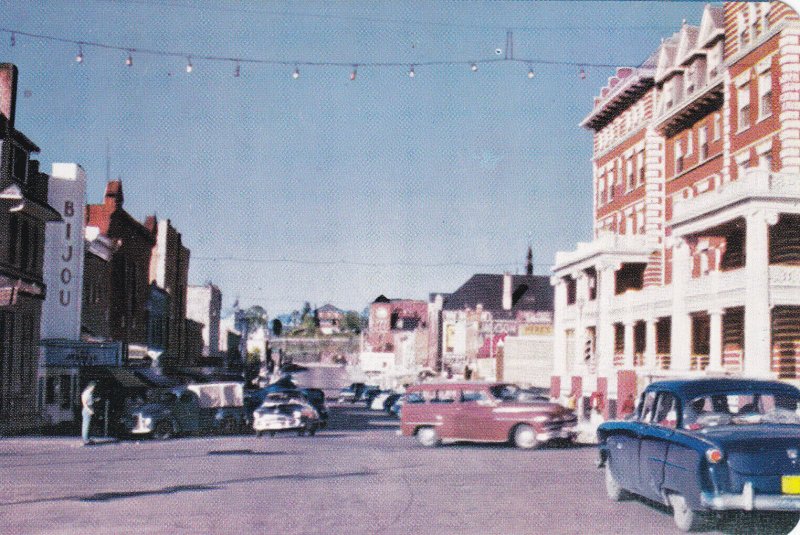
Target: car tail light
(713, 455)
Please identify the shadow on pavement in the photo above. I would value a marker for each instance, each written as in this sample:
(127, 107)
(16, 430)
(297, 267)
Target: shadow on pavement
(197, 487)
(244, 452)
(109, 496)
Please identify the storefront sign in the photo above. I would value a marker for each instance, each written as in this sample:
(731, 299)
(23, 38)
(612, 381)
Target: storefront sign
(74, 354)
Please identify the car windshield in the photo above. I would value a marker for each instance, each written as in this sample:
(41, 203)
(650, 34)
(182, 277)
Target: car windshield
(747, 408)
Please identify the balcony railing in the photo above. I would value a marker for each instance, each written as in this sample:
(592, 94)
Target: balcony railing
(606, 242)
(756, 183)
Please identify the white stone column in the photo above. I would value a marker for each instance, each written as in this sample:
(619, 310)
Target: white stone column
(715, 341)
(757, 313)
(605, 327)
(581, 296)
(559, 333)
(681, 335)
(627, 351)
(650, 344)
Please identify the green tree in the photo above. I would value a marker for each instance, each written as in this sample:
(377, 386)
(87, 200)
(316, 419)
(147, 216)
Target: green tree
(352, 322)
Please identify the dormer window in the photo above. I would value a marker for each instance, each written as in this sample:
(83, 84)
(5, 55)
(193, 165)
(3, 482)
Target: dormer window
(678, 157)
(668, 95)
(742, 34)
(691, 75)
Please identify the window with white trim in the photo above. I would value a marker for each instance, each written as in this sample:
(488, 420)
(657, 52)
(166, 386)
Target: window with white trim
(743, 105)
(668, 95)
(610, 179)
(764, 152)
(629, 174)
(765, 8)
(601, 191)
(717, 127)
(678, 157)
(702, 142)
(691, 75)
(639, 168)
(689, 144)
(764, 94)
(714, 60)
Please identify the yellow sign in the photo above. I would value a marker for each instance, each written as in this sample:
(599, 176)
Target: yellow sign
(536, 330)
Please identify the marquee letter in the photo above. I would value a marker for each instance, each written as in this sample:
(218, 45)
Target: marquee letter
(66, 275)
(68, 257)
(64, 301)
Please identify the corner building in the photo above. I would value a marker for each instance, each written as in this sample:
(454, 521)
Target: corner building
(694, 266)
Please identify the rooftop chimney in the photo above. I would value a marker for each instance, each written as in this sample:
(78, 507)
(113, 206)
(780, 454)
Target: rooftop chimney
(507, 291)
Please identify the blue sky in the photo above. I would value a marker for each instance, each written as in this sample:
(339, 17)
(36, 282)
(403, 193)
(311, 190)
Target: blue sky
(323, 189)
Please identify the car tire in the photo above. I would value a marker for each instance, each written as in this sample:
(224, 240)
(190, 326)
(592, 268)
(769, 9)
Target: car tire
(428, 437)
(525, 437)
(614, 491)
(685, 518)
(163, 430)
(228, 426)
(272, 433)
(259, 434)
(312, 430)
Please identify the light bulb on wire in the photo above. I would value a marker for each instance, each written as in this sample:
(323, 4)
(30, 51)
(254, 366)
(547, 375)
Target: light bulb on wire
(582, 74)
(530, 73)
(411, 72)
(129, 59)
(354, 72)
(189, 66)
(237, 70)
(474, 67)
(296, 73)
(79, 57)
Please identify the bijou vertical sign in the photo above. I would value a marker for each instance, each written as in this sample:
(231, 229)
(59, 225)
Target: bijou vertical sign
(63, 267)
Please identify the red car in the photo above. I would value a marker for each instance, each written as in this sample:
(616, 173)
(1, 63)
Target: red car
(482, 412)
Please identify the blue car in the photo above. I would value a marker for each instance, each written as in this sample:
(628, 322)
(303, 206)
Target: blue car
(706, 445)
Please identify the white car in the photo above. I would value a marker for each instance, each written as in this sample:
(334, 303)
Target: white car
(274, 416)
(379, 400)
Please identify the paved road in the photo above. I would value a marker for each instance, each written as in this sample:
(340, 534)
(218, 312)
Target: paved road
(357, 477)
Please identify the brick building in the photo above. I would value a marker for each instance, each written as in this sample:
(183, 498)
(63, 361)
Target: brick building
(97, 277)
(330, 319)
(169, 269)
(386, 316)
(130, 268)
(24, 211)
(694, 266)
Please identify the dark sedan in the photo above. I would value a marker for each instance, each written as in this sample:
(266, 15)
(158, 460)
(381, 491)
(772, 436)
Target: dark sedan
(707, 445)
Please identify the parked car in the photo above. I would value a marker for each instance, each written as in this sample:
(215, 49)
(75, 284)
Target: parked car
(351, 393)
(370, 393)
(707, 445)
(390, 400)
(377, 402)
(316, 397)
(191, 409)
(481, 412)
(284, 413)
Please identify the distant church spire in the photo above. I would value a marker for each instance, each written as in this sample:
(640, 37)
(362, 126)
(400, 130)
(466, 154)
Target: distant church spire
(529, 264)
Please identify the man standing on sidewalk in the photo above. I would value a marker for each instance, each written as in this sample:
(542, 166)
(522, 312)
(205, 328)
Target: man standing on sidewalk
(87, 402)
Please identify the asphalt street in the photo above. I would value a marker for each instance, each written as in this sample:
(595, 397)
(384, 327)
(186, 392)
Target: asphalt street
(356, 477)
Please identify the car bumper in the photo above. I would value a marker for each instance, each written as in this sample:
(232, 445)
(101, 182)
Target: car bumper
(140, 430)
(749, 501)
(276, 426)
(566, 433)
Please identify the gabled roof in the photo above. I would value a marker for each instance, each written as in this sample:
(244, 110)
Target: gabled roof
(329, 308)
(529, 292)
(687, 44)
(666, 57)
(712, 25)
